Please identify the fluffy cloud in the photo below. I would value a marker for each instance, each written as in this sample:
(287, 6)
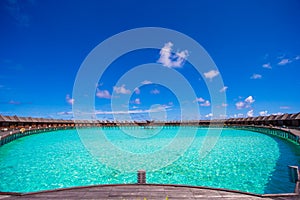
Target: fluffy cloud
(146, 82)
(267, 66)
(103, 94)
(69, 100)
(205, 104)
(278, 113)
(263, 113)
(200, 99)
(256, 76)
(155, 91)
(249, 99)
(209, 115)
(250, 113)
(65, 113)
(160, 108)
(223, 89)
(14, 102)
(211, 74)
(137, 90)
(284, 107)
(121, 90)
(245, 104)
(284, 61)
(17, 12)
(137, 101)
(239, 105)
(168, 59)
(297, 57)
(238, 115)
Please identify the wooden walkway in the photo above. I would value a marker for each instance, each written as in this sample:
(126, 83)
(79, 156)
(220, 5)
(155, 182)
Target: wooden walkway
(294, 131)
(141, 192)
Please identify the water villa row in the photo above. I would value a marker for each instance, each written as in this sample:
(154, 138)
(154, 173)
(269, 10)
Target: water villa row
(16, 122)
(286, 126)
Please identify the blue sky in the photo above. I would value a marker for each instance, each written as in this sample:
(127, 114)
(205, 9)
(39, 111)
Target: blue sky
(254, 44)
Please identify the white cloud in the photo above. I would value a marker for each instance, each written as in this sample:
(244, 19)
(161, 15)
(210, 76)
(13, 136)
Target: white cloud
(146, 82)
(297, 57)
(263, 113)
(284, 61)
(103, 94)
(137, 90)
(205, 104)
(245, 104)
(238, 115)
(250, 113)
(239, 105)
(137, 101)
(200, 99)
(285, 107)
(278, 113)
(121, 90)
(161, 108)
(256, 76)
(16, 10)
(267, 66)
(209, 115)
(249, 99)
(65, 113)
(155, 91)
(211, 74)
(223, 89)
(69, 100)
(168, 59)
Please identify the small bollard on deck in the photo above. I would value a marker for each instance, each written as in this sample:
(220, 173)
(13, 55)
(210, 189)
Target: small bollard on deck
(141, 176)
(294, 174)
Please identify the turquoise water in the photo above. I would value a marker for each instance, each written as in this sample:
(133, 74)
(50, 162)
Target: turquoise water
(240, 160)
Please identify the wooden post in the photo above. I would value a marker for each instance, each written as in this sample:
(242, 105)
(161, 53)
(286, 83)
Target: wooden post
(141, 176)
(294, 174)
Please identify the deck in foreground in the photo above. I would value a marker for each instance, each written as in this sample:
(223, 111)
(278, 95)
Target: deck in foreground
(139, 192)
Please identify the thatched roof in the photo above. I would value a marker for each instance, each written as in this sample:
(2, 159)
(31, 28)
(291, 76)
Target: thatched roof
(284, 117)
(270, 118)
(249, 119)
(258, 118)
(9, 119)
(264, 118)
(2, 118)
(297, 116)
(277, 117)
(244, 119)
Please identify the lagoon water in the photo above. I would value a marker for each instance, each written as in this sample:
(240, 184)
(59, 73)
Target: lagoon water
(239, 160)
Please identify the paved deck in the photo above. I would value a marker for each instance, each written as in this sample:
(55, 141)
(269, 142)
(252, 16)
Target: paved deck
(140, 192)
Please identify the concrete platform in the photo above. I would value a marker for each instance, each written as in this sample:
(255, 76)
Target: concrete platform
(142, 192)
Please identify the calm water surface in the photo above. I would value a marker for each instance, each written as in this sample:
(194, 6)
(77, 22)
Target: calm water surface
(241, 160)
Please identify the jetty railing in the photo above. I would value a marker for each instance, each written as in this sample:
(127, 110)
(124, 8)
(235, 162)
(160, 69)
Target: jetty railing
(286, 134)
(15, 134)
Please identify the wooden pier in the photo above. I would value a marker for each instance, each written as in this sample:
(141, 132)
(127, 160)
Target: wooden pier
(143, 192)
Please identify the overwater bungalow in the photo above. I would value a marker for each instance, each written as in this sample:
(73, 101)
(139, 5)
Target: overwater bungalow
(258, 120)
(296, 120)
(270, 120)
